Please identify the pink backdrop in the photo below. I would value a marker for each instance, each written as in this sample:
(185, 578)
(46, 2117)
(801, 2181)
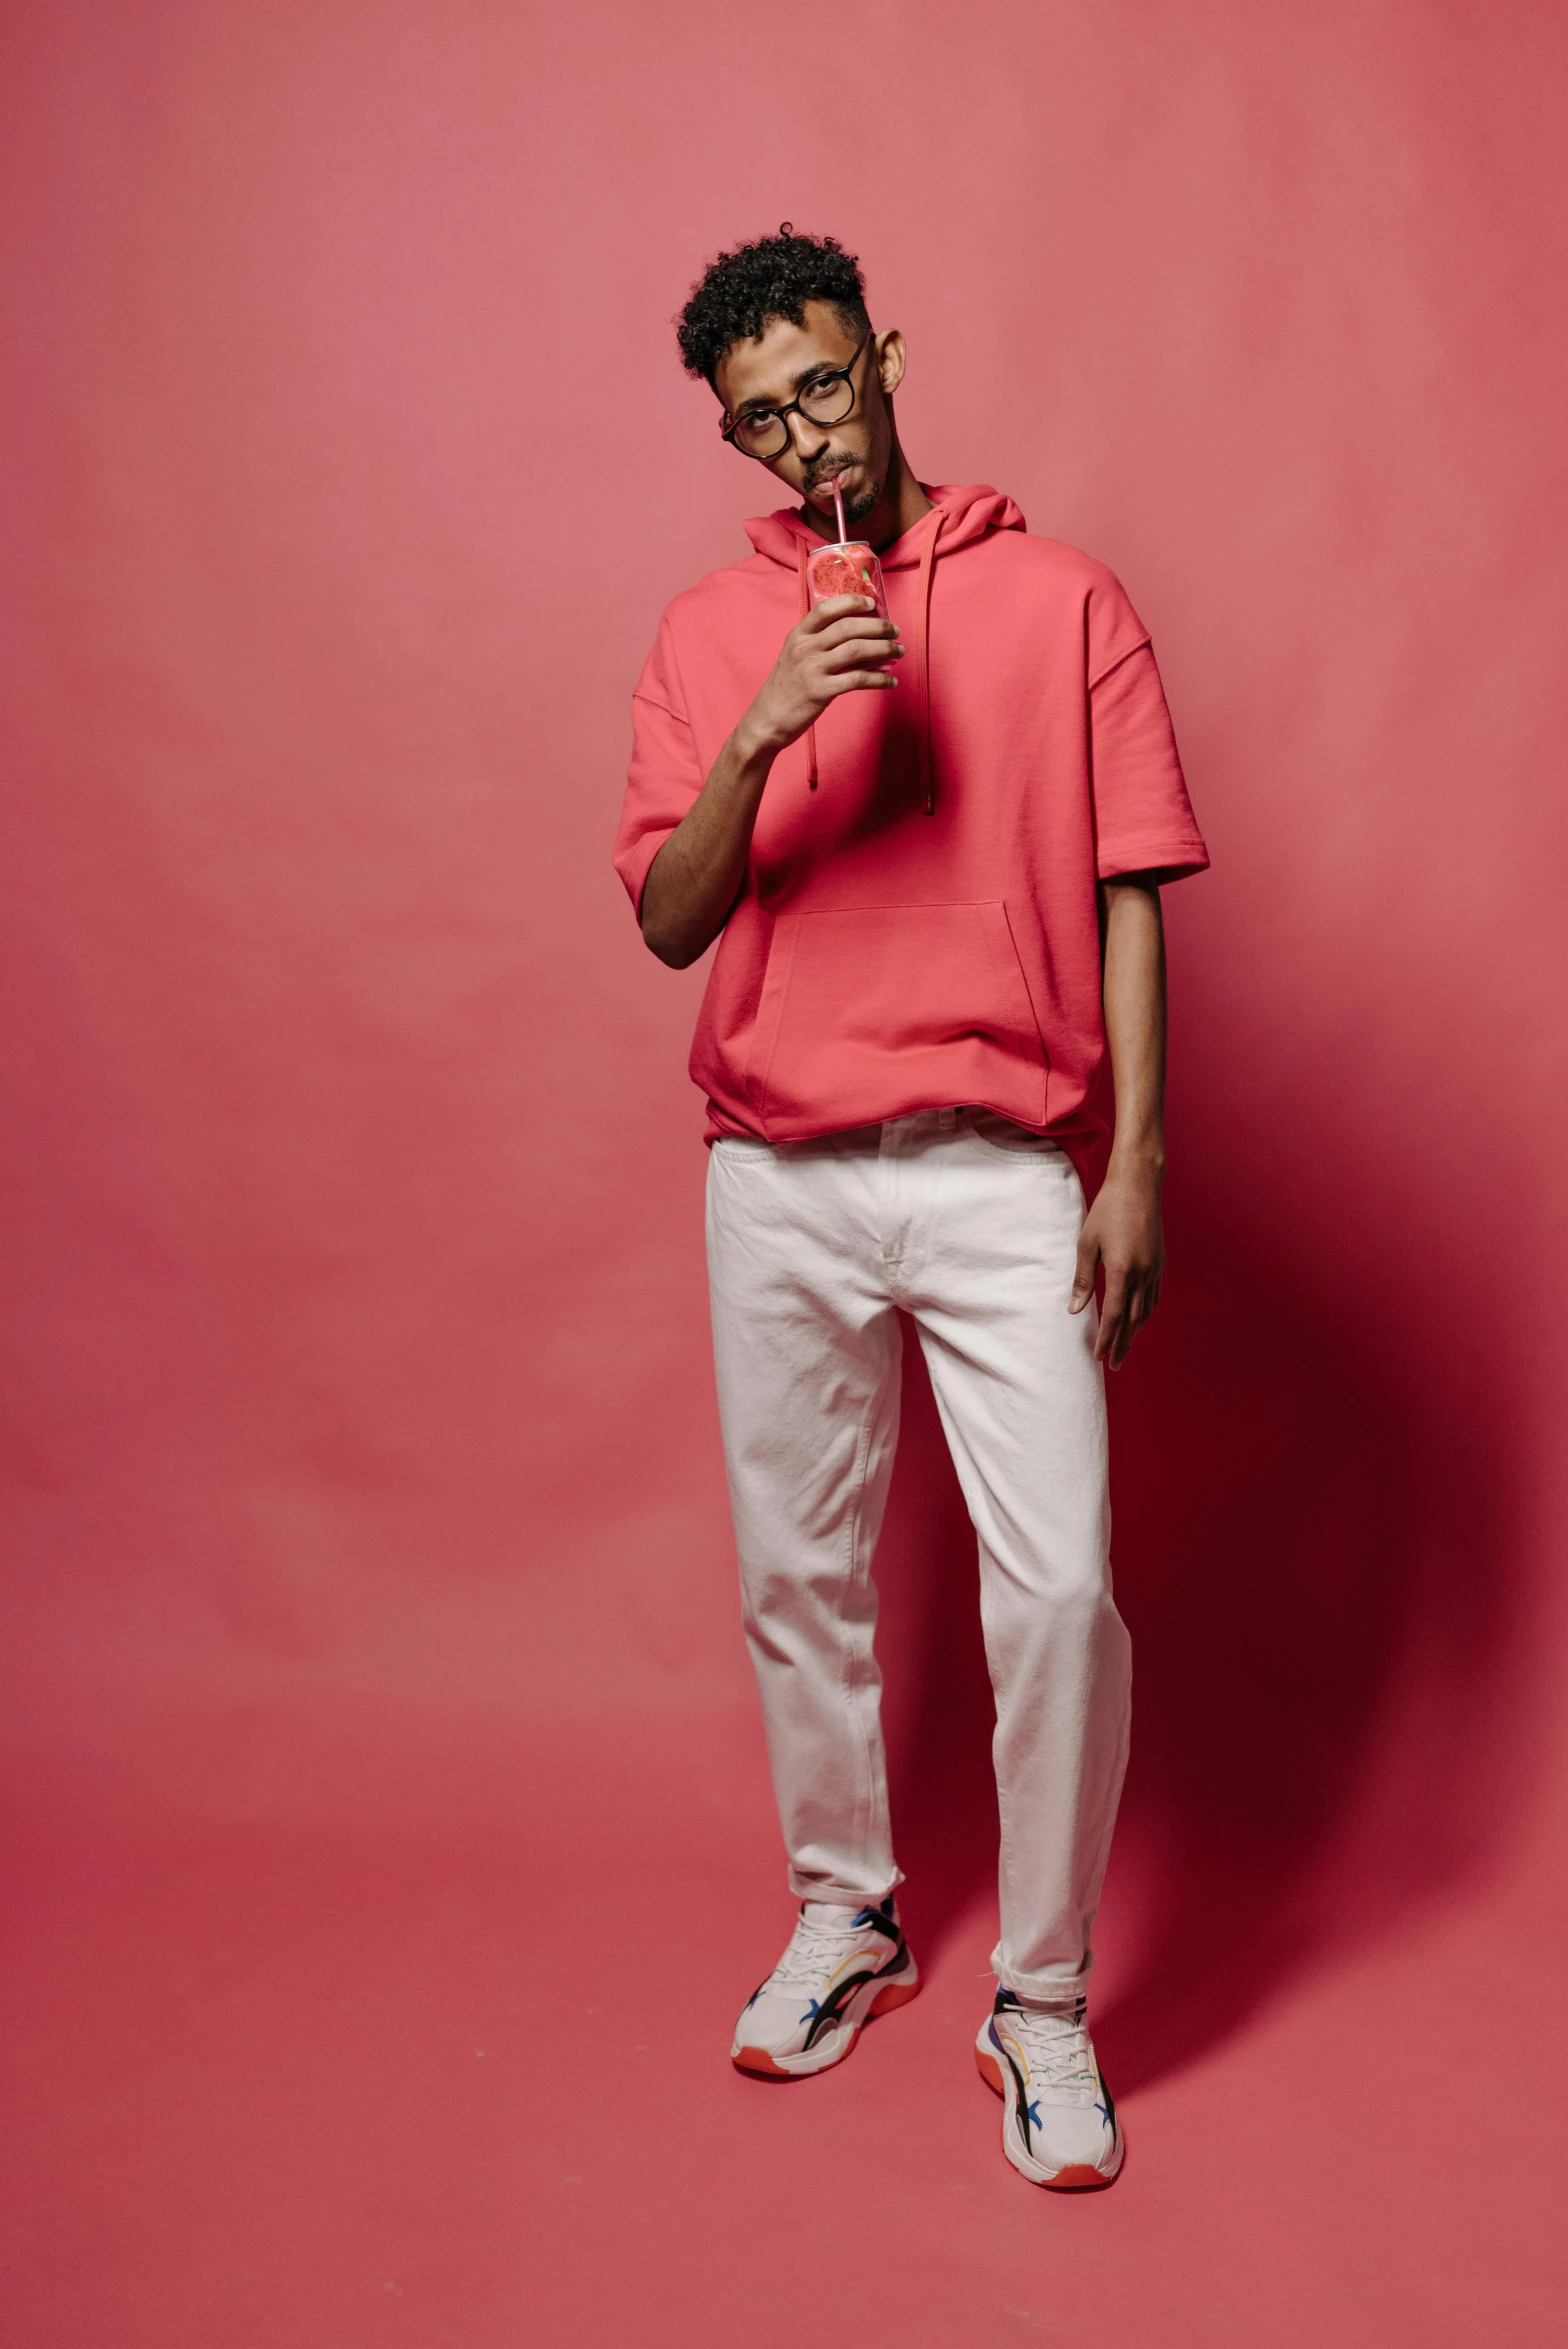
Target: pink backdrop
(389, 1841)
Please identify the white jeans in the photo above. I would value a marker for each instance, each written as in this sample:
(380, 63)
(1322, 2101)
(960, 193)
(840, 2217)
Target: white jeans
(971, 1226)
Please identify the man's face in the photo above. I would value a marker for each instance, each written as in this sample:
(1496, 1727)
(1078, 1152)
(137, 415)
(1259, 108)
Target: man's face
(776, 367)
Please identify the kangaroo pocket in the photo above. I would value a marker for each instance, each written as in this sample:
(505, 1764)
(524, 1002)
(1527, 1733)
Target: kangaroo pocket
(870, 1011)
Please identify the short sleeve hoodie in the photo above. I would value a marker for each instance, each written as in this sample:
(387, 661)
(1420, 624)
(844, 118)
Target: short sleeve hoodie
(919, 927)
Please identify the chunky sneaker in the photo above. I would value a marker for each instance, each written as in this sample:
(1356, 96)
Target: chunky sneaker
(1059, 2126)
(842, 1967)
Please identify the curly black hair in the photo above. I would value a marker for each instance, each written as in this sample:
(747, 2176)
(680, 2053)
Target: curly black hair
(772, 277)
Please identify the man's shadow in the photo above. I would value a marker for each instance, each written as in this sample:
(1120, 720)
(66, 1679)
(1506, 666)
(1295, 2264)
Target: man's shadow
(1313, 1555)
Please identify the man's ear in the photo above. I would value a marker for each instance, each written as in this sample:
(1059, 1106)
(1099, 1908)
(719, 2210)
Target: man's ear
(890, 360)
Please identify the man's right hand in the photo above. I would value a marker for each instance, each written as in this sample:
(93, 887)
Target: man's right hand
(840, 647)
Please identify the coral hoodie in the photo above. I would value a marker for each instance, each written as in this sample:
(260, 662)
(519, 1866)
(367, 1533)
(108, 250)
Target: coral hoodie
(918, 927)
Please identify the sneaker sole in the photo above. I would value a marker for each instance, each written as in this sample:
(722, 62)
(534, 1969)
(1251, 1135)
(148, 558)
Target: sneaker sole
(1078, 2177)
(890, 1992)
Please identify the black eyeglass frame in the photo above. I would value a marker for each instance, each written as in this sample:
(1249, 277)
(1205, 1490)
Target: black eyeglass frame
(794, 408)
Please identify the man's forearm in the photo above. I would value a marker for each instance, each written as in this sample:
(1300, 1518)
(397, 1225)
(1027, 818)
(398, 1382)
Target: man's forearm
(1121, 1233)
(696, 877)
(841, 646)
(1134, 990)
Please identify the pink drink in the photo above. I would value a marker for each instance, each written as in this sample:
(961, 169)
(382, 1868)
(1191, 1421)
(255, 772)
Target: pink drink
(848, 568)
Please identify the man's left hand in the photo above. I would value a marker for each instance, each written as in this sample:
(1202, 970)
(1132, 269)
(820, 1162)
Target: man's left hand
(1122, 1232)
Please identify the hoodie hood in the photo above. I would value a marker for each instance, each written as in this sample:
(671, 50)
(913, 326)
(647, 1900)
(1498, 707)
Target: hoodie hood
(959, 517)
(967, 513)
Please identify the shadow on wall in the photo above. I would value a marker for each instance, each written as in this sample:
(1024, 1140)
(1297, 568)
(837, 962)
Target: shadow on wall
(1319, 1576)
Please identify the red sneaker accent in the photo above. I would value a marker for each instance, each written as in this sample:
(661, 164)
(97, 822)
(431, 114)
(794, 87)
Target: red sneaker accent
(757, 2059)
(891, 1995)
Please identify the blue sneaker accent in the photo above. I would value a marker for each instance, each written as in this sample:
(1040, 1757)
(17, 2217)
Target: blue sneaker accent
(882, 1919)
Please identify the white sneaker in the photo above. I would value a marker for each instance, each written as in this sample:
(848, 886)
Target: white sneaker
(1059, 2126)
(842, 1967)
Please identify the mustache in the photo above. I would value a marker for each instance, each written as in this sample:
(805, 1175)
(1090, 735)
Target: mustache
(816, 475)
(855, 508)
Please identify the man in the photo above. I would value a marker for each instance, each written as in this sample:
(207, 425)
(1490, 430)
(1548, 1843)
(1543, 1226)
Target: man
(933, 846)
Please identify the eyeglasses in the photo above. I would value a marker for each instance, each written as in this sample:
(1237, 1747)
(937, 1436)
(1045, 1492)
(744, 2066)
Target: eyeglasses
(827, 399)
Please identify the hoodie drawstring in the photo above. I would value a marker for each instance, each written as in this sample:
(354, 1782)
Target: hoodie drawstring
(923, 656)
(805, 606)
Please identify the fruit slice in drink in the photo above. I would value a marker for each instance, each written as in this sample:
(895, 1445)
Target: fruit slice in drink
(849, 568)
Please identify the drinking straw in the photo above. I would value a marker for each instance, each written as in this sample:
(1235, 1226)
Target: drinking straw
(838, 508)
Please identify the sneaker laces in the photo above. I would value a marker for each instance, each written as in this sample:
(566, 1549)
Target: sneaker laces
(1057, 2046)
(814, 1950)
